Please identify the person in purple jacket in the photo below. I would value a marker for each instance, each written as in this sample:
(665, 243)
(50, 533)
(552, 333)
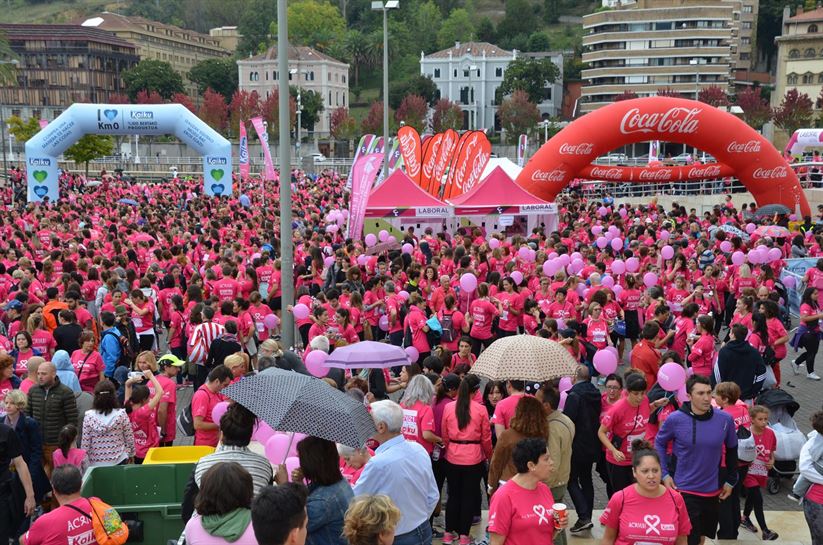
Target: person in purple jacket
(697, 434)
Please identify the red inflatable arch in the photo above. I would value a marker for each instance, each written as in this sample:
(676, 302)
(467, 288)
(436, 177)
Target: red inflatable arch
(752, 158)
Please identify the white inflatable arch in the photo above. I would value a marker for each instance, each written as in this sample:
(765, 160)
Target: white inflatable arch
(43, 149)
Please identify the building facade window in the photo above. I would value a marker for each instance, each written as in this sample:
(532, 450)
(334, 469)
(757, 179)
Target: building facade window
(498, 72)
(812, 29)
(794, 53)
(436, 72)
(747, 9)
(808, 78)
(809, 53)
(791, 79)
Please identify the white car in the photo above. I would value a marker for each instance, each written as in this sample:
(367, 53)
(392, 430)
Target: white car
(318, 158)
(616, 158)
(683, 158)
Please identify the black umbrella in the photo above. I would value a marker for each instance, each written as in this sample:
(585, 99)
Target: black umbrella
(771, 210)
(288, 401)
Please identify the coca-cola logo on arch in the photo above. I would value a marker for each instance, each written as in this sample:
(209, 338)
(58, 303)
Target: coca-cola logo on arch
(709, 171)
(584, 148)
(678, 120)
(557, 175)
(750, 146)
(607, 173)
(770, 173)
(656, 174)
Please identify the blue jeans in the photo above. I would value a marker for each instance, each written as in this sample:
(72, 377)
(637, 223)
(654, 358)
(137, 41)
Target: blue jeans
(422, 535)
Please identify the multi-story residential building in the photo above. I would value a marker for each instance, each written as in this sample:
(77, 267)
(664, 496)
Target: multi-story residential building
(684, 45)
(309, 70)
(154, 40)
(227, 36)
(470, 73)
(63, 64)
(800, 54)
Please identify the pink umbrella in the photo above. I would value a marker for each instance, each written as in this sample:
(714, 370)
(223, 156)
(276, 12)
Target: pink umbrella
(367, 354)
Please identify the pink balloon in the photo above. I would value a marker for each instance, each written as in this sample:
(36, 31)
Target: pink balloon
(764, 255)
(517, 276)
(618, 266)
(294, 442)
(664, 235)
(332, 228)
(617, 244)
(576, 255)
(532, 257)
(622, 212)
(792, 217)
(523, 252)
(602, 242)
(550, 267)
(671, 376)
(775, 254)
(494, 243)
(391, 239)
(614, 230)
(316, 363)
(790, 281)
(383, 323)
(726, 246)
(328, 261)
(602, 211)
(581, 289)
(404, 294)
(682, 397)
(271, 321)
(607, 281)
(632, 264)
(617, 289)
(738, 258)
(565, 384)
(564, 259)
(383, 235)
(667, 252)
(468, 282)
(407, 248)
(412, 353)
(263, 432)
(750, 227)
(650, 279)
(563, 397)
(605, 362)
(362, 259)
(218, 411)
(277, 448)
(292, 463)
(597, 229)
(371, 239)
(613, 350)
(753, 256)
(300, 311)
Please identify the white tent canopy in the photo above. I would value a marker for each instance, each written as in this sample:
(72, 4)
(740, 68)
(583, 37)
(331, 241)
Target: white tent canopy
(510, 168)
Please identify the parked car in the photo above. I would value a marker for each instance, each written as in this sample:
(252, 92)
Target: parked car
(318, 158)
(616, 158)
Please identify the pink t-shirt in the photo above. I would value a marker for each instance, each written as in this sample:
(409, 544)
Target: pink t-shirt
(776, 331)
(639, 519)
(63, 525)
(523, 516)
(202, 403)
(144, 426)
(764, 445)
(88, 373)
(482, 313)
(509, 301)
(43, 341)
(627, 422)
(415, 320)
(417, 419)
(75, 457)
(226, 289)
(170, 397)
(504, 410)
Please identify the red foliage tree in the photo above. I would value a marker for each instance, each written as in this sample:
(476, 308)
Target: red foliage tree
(795, 111)
(149, 97)
(118, 98)
(713, 95)
(625, 95)
(373, 123)
(756, 110)
(270, 110)
(184, 99)
(447, 115)
(413, 111)
(244, 105)
(518, 115)
(214, 110)
(342, 125)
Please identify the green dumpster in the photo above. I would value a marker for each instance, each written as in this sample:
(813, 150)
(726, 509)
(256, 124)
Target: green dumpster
(148, 493)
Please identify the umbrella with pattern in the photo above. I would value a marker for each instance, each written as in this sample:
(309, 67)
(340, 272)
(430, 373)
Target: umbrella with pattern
(773, 231)
(289, 401)
(525, 357)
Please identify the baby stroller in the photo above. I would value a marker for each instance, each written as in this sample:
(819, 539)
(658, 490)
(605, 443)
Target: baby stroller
(790, 439)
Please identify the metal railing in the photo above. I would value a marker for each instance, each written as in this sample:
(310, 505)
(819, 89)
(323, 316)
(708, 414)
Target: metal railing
(622, 190)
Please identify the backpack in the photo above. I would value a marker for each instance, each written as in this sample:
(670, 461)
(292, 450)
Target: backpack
(108, 528)
(127, 354)
(185, 422)
(768, 356)
(746, 448)
(447, 322)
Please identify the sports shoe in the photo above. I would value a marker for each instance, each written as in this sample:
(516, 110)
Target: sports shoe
(795, 367)
(746, 523)
(467, 540)
(794, 497)
(813, 376)
(448, 538)
(581, 526)
(768, 535)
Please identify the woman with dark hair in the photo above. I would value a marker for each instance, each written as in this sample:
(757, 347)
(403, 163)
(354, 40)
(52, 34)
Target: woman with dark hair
(530, 420)
(798, 247)
(778, 336)
(107, 436)
(466, 435)
(481, 315)
(702, 354)
(510, 305)
(22, 352)
(808, 333)
(521, 512)
(223, 507)
(646, 507)
(329, 493)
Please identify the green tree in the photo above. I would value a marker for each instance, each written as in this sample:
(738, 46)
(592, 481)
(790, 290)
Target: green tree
(518, 115)
(23, 130)
(419, 85)
(529, 75)
(313, 23)
(218, 74)
(153, 75)
(8, 69)
(88, 148)
(519, 19)
(539, 41)
(447, 115)
(312, 105)
(485, 31)
(458, 27)
(254, 26)
(413, 111)
(168, 11)
(357, 46)
(425, 22)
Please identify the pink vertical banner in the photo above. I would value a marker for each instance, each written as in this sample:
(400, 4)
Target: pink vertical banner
(257, 123)
(244, 152)
(363, 173)
(362, 149)
(43, 123)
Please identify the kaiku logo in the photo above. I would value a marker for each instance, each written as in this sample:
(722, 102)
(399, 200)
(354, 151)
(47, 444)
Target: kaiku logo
(244, 150)
(607, 173)
(141, 115)
(556, 175)
(39, 162)
(675, 121)
(657, 174)
(769, 173)
(216, 161)
(584, 148)
(752, 146)
(709, 171)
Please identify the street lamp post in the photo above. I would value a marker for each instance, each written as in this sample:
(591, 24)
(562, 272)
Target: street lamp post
(379, 5)
(13, 62)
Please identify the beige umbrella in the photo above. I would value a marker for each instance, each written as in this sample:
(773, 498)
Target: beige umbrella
(525, 357)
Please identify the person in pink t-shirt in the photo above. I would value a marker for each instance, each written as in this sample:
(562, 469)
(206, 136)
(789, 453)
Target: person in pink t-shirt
(505, 408)
(765, 442)
(418, 418)
(142, 408)
(521, 511)
(645, 512)
(703, 355)
(206, 430)
(481, 314)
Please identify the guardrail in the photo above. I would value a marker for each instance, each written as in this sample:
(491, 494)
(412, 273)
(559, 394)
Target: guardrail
(598, 189)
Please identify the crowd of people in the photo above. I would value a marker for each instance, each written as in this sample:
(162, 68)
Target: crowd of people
(110, 307)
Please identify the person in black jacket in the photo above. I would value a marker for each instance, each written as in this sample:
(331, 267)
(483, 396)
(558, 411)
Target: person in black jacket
(741, 363)
(583, 408)
(224, 345)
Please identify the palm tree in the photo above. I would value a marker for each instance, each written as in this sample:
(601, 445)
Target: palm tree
(8, 62)
(358, 48)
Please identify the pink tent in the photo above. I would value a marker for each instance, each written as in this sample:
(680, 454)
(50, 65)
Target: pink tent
(400, 196)
(499, 194)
